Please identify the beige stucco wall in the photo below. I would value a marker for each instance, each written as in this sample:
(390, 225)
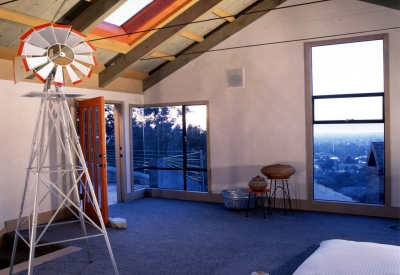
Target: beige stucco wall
(264, 123)
(17, 123)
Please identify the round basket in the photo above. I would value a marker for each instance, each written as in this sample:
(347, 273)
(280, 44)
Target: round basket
(278, 171)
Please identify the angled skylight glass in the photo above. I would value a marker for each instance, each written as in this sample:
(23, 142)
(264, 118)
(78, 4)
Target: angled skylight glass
(126, 11)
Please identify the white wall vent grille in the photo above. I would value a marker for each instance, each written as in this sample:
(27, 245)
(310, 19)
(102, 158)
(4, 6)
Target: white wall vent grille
(235, 78)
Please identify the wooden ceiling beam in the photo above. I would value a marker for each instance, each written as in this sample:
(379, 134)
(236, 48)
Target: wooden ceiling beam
(211, 41)
(192, 36)
(142, 49)
(95, 14)
(21, 18)
(7, 53)
(224, 15)
(162, 55)
(131, 74)
(108, 44)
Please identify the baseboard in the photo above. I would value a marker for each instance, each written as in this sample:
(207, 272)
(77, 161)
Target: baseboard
(305, 205)
(43, 218)
(348, 208)
(184, 195)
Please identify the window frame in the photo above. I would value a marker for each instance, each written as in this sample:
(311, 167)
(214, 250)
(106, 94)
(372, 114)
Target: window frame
(337, 206)
(183, 105)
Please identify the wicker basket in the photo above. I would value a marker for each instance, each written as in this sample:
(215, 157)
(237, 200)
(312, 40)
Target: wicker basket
(278, 171)
(237, 199)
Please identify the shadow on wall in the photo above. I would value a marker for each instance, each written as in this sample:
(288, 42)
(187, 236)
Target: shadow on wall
(239, 176)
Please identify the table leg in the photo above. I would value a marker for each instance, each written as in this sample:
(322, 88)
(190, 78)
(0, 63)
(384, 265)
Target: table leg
(262, 204)
(248, 205)
(288, 194)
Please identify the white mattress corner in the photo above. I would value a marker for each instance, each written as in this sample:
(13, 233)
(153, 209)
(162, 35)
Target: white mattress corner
(343, 257)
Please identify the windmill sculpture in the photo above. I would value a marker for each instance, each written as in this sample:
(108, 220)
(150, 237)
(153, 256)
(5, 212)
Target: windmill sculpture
(56, 52)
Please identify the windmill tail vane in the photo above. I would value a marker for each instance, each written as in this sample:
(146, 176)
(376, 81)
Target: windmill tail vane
(58, 50)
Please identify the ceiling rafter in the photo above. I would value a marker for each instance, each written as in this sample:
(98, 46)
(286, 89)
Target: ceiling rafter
(192, 36)
(173, 27)
(162, 55)
(9, 53)
(21, 18)
(211, 41)
(224, 15)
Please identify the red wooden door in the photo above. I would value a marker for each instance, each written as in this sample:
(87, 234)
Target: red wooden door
(92, 139)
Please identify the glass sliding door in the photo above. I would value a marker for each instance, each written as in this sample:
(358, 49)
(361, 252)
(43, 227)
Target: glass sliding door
(348, 121)
(196, 147)
(169, 147)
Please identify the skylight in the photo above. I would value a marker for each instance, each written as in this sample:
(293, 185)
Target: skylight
(126, 11)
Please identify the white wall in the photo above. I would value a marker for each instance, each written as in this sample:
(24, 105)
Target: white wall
(264, 123)
(17, 122)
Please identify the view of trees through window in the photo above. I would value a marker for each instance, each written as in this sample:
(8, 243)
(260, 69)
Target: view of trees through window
(347, 82)
(169, 147)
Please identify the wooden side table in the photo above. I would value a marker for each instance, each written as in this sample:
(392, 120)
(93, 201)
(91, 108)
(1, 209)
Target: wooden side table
(286, 193)
(262, 195)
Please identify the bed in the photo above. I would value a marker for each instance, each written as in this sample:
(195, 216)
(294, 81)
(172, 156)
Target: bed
(341, 257)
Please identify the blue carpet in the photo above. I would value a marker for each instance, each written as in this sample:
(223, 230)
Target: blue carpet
(181, 237)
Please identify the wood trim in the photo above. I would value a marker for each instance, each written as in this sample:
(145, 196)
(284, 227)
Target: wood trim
(21, 18)
(162, 55)
(173, 27)
(8, 53)
(224, 15)
(192, 36)
(108, 44)
(212, 40)
(176, 8)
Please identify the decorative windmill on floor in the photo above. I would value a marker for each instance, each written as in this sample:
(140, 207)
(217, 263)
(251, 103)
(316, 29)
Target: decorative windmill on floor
(53, 52)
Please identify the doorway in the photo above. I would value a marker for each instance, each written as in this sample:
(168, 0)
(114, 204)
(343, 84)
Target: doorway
(112, 114)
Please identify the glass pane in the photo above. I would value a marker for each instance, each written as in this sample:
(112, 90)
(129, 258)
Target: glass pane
(196, 146)
(166, 179)
(196, 181)
(348, 68)
(349, 163)
(157, 140)
(110, 153)
(352, 108)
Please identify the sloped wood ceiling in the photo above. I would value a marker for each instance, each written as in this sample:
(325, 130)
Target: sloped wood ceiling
(193, 28)
(393, 4)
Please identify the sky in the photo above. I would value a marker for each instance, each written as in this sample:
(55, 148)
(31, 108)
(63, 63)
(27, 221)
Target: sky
(348, 68)
(126, 11)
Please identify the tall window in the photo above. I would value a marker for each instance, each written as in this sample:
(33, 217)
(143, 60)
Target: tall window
(346, 81)
(169, 147)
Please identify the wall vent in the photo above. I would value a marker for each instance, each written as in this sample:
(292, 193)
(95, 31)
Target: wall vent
(235, 78)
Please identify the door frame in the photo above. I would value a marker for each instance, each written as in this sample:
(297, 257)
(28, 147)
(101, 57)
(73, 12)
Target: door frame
(120, 148)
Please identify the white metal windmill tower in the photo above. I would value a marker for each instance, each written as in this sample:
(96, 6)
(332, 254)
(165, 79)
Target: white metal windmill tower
(56, 52)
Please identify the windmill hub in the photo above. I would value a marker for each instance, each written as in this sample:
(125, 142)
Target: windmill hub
(59, 50)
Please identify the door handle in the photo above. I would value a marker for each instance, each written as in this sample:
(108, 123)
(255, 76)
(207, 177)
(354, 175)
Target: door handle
(121, 155)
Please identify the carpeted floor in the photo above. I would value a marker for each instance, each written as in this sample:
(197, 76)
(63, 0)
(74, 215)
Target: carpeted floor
(181, 237)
